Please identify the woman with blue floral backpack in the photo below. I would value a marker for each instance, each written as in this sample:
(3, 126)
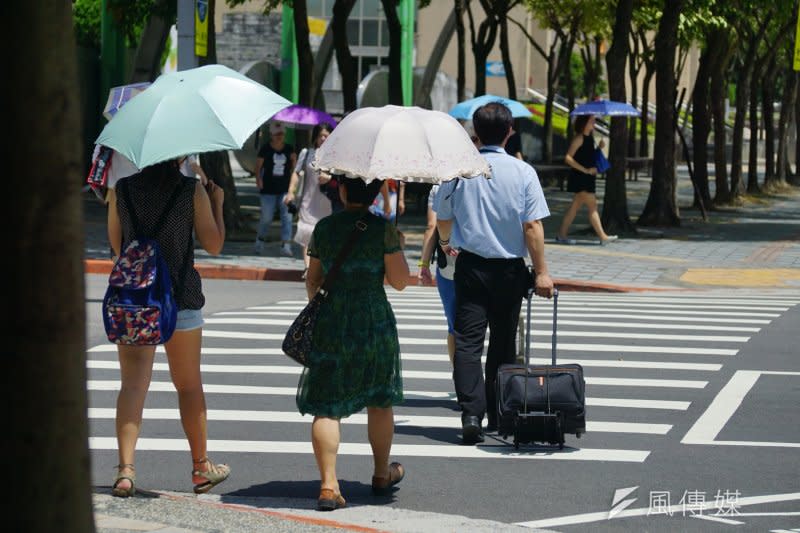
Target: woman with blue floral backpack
(173, 209)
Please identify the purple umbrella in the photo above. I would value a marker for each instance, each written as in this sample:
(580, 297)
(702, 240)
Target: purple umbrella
(302, 117)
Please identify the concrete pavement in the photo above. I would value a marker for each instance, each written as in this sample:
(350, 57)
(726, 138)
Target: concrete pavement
(756, 245)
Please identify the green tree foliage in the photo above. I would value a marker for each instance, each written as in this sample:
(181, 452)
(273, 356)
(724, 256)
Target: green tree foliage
(129, 15)
(86, 22)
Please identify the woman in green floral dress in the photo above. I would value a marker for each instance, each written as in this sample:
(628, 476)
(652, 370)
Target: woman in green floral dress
(355, 361)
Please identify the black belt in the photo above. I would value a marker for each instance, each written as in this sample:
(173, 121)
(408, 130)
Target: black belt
(468, 254)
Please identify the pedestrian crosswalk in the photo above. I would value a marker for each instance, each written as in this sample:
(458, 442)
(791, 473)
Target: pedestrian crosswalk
(647, 360)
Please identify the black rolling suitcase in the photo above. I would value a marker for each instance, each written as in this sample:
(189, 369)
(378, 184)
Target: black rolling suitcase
(540, 403)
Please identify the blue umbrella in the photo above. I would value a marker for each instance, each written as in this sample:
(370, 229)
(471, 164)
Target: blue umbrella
(464, 110)
(606, 108)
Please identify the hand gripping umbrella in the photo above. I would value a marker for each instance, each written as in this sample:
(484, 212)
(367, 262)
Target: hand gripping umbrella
(203, 109)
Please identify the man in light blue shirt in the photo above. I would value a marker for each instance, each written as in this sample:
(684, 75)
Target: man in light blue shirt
(491, 223)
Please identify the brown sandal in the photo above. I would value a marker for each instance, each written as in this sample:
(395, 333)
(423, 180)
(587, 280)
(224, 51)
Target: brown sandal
(120, 492)
(330, 500)
(383, 485)
(204, 481)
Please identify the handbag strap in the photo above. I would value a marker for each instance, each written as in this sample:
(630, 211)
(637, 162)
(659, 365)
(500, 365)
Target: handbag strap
(360, 227)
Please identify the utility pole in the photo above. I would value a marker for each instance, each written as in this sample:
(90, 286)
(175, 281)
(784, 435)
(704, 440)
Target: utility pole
(187, 57)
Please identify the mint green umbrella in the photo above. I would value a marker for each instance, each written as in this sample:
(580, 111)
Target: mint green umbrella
(203, 109)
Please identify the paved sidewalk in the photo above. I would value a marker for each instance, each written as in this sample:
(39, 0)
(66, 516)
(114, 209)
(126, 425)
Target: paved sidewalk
(756, 245)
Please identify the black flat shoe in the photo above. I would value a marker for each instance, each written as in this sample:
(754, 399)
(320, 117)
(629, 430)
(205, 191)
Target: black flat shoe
(471, 432)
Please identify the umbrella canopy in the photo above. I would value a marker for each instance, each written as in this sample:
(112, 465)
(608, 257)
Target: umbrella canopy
(464, 110)
(118, 96)
(203, 109)
(302, 117)
(404, 143)
(608, 108)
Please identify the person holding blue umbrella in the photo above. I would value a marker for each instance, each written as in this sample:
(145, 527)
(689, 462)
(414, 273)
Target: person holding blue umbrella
(582, 179)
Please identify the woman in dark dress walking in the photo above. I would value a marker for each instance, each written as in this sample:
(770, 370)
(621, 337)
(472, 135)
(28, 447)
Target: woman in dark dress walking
(355, 358)
(582, 178)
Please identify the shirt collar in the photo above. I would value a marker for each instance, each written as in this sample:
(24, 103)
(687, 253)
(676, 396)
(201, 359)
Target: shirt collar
(492, 148)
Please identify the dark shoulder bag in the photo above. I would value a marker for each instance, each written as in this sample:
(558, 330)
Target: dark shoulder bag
(298, 341)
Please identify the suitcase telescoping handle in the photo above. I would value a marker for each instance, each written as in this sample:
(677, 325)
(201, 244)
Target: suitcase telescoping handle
(528, 347)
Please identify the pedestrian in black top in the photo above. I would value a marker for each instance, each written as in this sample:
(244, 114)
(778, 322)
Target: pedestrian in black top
(274, 165)
(581, 158)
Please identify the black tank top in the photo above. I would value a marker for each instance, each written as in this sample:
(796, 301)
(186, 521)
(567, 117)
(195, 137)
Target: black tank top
(149, 195)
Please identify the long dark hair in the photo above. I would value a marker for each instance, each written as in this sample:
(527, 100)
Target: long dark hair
(580, 123)
(319, 128)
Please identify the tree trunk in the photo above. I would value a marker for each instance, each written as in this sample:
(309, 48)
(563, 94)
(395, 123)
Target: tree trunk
(44, 316)
(790, 90)
(344, 58)
(644, 136)
(633, 74)
(742, 99)
(661, 208)
(395, 42)
(767, 94)
(147, 60)
(615, 215)
(217, 165)
(701, 124)
(305, 58)
(722, 194)
(752, 156)
(482, 45)
(461, 75)
(507, 65)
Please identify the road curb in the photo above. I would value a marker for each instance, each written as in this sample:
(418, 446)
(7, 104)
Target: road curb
(249, 273)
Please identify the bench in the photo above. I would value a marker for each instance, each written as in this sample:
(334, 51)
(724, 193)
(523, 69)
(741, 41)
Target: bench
(634, 165)
(551, 173)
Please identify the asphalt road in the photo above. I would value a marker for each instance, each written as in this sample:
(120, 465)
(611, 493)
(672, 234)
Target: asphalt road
(692, 412)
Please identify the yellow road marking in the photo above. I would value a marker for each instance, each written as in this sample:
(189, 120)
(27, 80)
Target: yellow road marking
(585, 250)
(743, 277)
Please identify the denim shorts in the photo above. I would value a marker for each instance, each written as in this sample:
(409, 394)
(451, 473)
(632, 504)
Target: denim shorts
(447, 293)
(189, 319)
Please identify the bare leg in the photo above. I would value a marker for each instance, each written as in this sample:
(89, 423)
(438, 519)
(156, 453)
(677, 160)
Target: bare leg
(183, 356)
(380, 428)
(594, 217)
(325, 438)
(569, 216)
(136, 370)
(451, 347)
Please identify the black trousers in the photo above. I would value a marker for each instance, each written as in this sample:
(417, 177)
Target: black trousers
(489, 293)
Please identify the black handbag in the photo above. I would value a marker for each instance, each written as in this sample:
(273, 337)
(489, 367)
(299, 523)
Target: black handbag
(298, 340)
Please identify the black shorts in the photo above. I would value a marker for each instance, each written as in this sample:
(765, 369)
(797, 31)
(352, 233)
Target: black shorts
(579, 182)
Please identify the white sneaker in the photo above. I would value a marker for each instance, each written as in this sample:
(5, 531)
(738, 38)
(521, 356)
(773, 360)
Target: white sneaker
(286, 250)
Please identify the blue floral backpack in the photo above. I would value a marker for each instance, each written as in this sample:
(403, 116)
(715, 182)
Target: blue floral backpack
(139, 307)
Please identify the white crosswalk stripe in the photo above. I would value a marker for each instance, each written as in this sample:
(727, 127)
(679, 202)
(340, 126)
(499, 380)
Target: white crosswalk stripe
(646, 359)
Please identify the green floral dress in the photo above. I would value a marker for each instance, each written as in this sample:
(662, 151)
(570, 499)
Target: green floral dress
(355, 360)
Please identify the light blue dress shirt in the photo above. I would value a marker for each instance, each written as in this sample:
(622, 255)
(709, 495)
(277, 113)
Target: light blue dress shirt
(488, 214)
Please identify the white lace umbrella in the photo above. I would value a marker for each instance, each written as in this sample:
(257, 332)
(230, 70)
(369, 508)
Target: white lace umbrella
(405, 143)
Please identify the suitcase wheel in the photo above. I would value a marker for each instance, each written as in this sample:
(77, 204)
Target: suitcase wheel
(578, 434)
